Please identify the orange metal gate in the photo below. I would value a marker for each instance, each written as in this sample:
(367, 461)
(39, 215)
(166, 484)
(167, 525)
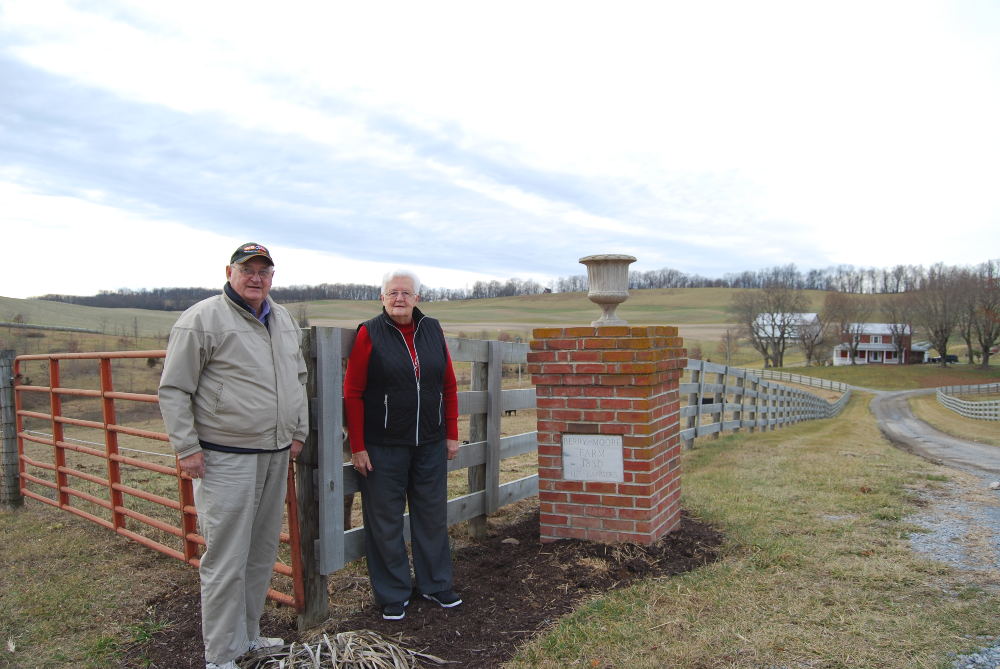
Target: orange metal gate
(148, 502)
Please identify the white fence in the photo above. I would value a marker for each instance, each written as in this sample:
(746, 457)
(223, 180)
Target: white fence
(721, 398)
(988, 410)
(811, 381)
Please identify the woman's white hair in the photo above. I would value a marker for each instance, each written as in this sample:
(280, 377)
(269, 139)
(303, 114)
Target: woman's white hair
(401, 274)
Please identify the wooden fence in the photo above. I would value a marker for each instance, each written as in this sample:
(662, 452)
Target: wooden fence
(986, 410)
(721, 398)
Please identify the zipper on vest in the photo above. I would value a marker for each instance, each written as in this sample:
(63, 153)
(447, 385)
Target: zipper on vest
(416, 365)
(440, 405)
(385, 424)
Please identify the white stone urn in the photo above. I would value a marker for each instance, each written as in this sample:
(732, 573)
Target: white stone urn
(607, 276)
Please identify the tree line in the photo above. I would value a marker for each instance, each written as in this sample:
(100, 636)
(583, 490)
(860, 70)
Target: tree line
(840, 278)
(942, 301)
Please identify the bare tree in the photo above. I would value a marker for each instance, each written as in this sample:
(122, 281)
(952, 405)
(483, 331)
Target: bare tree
(768, 318)
(935, 308)
(898, 311)
(965, 296)
(729, 344)
(811, 336)
(987, 321)
(847, 315)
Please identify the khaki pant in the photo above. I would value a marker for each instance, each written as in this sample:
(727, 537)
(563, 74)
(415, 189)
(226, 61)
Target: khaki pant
(240, 502)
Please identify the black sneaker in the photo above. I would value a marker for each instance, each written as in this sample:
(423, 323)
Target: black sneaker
(446, 598)
(395, 611)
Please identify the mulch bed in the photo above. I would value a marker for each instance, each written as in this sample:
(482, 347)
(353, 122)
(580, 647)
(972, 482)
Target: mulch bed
(512, 587)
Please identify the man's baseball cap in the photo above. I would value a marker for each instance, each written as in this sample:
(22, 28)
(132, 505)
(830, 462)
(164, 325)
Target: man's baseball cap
(250, 250)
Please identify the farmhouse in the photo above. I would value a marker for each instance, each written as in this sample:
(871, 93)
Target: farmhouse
(880, 344)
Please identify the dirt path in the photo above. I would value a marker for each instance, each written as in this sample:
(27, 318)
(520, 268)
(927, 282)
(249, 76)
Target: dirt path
(899, 425)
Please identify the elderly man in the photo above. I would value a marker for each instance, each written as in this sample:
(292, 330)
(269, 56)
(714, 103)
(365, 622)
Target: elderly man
(233, 399)
(402, 415)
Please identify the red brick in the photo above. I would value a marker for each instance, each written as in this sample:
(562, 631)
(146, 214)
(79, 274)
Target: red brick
(599, 343)
(611, 428)
(636, 343)
(636, 490)
(562, 343)
(583, 403)
(580, 332)
(590, 368)
(613, 331)
(550, 402)
(633, 416)
(585, 356)
(555, 368)
(619, 525)
(619, 500)
(601, 512)
(567, 414)
(578, 379)
(637, 368)
(549, 461)
(568, 532)
(584, 498)
(598, 416)
(584, 521)
(546, 380)
(549, 519)
(583, 428)
(618, 356)
(541, 356)
(546, 333)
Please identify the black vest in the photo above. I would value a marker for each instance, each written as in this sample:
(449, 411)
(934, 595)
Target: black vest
(399, 409)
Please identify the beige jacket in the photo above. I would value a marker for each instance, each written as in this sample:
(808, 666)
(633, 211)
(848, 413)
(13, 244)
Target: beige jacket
(229, 380)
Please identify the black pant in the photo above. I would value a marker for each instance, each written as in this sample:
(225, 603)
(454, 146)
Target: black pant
(417, 475)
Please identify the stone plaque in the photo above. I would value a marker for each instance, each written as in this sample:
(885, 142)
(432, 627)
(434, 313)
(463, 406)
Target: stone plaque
(593, 457)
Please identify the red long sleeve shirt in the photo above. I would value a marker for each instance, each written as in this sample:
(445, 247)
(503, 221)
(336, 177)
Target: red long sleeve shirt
(356, 380)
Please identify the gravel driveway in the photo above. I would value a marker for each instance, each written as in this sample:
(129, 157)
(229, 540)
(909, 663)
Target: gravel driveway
(962, 517)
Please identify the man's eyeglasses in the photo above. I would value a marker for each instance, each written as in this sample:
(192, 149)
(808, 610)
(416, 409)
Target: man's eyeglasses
(264, 274)
(393, 294)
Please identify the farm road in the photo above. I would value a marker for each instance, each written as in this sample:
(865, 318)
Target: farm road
(900, 426)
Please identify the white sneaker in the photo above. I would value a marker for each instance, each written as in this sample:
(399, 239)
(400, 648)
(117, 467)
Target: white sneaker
(228, 665)
(265, 642)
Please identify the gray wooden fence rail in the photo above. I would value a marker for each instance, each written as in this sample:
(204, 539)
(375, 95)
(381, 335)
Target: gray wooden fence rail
(986, 410)
(812, 381)
(721, 398)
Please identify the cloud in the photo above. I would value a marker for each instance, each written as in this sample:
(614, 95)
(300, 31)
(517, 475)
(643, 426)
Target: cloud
(510, 142)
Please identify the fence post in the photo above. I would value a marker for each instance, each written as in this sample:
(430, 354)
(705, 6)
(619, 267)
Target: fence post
(479, 380)
(10, 490)
(493, 413)
(314, 586)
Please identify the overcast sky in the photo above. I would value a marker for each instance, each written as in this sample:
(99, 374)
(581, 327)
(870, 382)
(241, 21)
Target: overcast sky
(142, 141)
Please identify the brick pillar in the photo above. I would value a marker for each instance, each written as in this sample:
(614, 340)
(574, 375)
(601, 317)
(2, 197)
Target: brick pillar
(612, 380)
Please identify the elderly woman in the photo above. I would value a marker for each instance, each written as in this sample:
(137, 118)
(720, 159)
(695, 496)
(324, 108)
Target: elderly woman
(401, 400)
